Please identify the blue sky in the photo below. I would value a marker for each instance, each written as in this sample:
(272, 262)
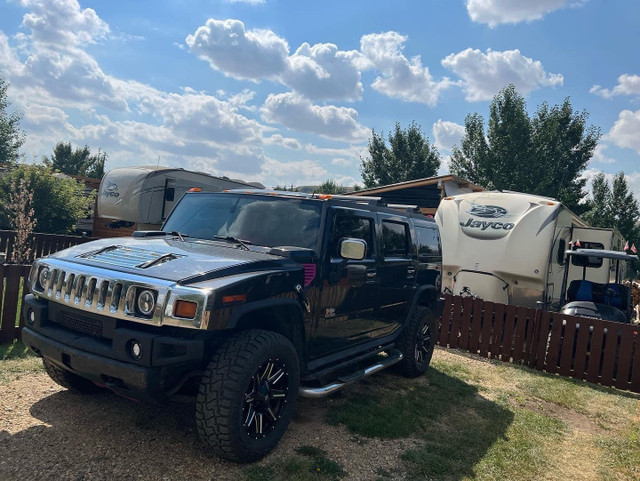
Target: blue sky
(287, 92)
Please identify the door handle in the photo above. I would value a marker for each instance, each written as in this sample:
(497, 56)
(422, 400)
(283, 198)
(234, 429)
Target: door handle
(411, 272)
(371, 274)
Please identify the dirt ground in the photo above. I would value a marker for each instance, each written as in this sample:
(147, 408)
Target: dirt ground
(49, 433)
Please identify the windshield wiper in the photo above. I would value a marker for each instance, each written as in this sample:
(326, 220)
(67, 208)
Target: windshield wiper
(242, 243)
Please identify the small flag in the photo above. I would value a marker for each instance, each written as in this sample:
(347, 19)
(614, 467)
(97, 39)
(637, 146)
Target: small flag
(626, 246)
(578, 243)
(633, 249)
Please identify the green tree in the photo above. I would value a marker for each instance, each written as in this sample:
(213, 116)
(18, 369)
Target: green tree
(11, 136)
(614, 206)
(409, 156)
(330, 186)
(58, 202)
(78, 161)
(544, 155)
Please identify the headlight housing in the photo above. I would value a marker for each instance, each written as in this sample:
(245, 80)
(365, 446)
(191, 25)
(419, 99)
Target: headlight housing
(146, 302)
(43, 278)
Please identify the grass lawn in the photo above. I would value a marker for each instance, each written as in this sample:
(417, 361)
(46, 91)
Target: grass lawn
(467, 418)
(471, 418)
(17, 360)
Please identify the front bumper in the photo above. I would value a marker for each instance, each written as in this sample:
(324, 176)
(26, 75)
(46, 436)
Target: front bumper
(104, 357)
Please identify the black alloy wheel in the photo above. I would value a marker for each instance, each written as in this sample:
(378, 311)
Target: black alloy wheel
(424, 349)
(266, 398)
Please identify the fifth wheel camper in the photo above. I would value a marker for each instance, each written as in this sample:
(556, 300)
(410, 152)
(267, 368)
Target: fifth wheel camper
(509, 247)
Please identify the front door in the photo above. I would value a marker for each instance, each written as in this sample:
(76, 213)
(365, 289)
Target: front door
(349, 292)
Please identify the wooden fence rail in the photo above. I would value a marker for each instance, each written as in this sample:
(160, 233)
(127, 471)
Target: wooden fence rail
(41, 244)
(598, 351)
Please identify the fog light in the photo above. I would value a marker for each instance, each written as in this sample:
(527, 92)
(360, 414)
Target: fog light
(136, 350)
(31, 316)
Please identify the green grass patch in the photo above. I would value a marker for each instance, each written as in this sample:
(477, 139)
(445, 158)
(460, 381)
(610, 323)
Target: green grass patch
(17, 360)
(311, 463)
(621, 454)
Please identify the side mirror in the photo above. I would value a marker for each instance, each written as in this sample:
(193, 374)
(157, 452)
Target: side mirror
(353, 249)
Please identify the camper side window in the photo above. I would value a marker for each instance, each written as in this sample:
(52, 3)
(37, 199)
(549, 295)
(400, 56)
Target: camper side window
(562, 246)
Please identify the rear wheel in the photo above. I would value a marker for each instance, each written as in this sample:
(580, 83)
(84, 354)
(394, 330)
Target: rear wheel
(247, 395)
(418, 342)
(72, 382)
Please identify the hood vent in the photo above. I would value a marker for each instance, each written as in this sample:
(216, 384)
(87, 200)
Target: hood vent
(129, 257)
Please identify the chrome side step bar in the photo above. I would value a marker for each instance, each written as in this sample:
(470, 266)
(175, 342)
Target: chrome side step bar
(316, 392)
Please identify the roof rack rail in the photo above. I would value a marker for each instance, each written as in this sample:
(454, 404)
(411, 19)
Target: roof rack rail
(409, 208)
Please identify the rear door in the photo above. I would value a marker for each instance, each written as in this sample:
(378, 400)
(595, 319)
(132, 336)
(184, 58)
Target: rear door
(397, 272)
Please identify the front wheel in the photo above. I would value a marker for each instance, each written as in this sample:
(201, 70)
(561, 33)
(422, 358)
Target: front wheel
(248, 395)
(69, 380)
(418, 342)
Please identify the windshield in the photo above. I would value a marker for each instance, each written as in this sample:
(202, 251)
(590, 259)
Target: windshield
(259, 220)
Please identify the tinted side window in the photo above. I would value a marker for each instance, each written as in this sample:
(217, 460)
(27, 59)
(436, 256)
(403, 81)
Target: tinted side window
(428, 242)
(351, 226)
(395, 239)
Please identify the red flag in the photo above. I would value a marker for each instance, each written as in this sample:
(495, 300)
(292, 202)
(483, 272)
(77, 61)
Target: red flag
(633, 249)
(626, 246)
(578, 243)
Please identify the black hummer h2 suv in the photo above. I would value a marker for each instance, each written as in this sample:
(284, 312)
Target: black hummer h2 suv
(243, 301)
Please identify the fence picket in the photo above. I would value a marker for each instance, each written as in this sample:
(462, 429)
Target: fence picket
(635, 366)
(582, 345)
(520, 329)
(566, 351)
(595, 353)
(487, 326)
(478, 316)
(498, 329)
(509, 328)
(624, 362)
(455, 323)
(553, 348)
(465, 322)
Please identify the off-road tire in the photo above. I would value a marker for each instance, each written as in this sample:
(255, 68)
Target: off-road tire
(417, 342)
(229, 382)
(70, 381)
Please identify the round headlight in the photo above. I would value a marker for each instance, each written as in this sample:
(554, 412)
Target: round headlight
(43, 277)
(146, 302)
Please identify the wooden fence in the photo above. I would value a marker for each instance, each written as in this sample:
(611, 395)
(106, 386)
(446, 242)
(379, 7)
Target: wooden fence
(41, 244)
(13, 288)
(598, 351)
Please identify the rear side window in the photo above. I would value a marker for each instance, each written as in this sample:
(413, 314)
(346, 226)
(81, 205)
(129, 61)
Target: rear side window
(354, 227)
(395, 239)
(428, 243)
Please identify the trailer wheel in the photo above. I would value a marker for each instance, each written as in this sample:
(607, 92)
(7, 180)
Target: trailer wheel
(418, 342)
(248, 395)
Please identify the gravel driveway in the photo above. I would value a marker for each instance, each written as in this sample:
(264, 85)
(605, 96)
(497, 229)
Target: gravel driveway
(49, 433)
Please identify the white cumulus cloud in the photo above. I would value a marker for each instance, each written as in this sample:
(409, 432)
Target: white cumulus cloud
(323, 72)
(624, 132)
(496, 12)
(484, 74)
(237, 52)
(447, 134)
(297, 113)
(402, 78)
(627, 85)
(63, 22)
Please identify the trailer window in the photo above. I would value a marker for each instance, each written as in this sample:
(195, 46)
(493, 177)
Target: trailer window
(562, 247)
(395, 239)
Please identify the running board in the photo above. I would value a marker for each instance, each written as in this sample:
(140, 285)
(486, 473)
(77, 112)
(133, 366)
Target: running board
(316, 392)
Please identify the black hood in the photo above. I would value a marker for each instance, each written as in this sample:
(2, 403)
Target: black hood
(171, 259)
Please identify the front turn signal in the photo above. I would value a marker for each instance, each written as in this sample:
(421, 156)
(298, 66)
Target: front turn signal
(185, 309)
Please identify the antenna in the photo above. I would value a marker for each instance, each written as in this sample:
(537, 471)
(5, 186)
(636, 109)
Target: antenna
(158, 164)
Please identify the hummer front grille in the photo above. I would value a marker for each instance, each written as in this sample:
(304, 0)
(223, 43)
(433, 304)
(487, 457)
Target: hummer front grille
(112, 293)
(79, 323)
